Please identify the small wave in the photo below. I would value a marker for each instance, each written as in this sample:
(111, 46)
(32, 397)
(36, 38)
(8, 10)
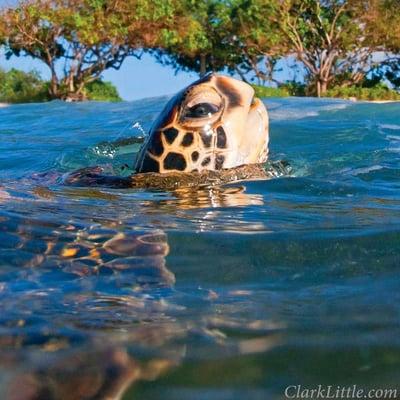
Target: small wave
(4, 105)
(334, 107)
(394, 141)
(298, 109)
(361, 171)
(285, 115)
(392, 127)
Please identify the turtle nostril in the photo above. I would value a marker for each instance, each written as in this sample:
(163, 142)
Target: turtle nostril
(255, 101)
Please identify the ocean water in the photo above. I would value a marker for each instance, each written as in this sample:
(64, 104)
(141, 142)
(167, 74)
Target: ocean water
(233, 292)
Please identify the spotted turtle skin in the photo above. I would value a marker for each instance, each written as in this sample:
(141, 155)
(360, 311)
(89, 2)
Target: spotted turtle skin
(213, 124)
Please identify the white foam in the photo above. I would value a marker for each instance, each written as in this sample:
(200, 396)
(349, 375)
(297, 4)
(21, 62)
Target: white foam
(393, 127)
(334, 107)
(365, 170)
(395, 138)
(299, 109)
(291, 114)
(3, 105)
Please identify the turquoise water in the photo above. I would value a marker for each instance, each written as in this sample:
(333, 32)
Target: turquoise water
(227, 293)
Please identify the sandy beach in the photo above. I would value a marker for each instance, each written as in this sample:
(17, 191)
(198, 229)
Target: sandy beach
(371, 101)
(383, 101)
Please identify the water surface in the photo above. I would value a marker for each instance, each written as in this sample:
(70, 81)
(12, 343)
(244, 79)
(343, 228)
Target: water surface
(226, 293)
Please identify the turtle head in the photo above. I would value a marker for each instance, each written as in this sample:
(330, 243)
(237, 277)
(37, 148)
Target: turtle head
(214, 123)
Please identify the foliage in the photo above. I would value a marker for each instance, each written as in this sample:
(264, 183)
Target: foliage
(283, 90)
(248, 37)
(235, 35)
(28, 87)
(86, 36)
(203, 47)
(381, 21)
(326, 37)
(295, 88)
(21, 87)
(378, 92)
(267, 91)
(102, 91)
(254, 33)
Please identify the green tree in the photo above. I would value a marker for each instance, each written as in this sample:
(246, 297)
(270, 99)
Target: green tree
(28, 87)
(254, 34)
(22, 87)
(231, 35)
(79, 39)
(84, 35)
(201, 46)
(327, 37)
(381, 21)
(102, 91)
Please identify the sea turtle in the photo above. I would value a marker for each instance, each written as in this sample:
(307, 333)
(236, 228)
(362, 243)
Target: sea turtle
(212, 132)
(213, 124)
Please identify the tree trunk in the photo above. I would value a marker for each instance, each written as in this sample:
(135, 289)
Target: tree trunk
(318, 88)
(203, 65)
(71, 88)
(53, 89)
(324, 87)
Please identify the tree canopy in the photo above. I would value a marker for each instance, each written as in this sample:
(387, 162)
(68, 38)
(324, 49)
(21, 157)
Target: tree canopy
(79, 39)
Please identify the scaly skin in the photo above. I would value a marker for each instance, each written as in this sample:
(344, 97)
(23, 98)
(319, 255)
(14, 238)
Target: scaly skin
(213, 124)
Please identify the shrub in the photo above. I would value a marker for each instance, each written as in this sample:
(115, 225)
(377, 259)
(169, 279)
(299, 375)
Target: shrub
(369, 90)
(284, 90)
(377, 92)
(295, 88)
(265, 91)
(102, 91)
(22, 87)
(28, 87)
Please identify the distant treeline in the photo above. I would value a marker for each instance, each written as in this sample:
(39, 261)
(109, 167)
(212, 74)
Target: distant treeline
(28, 87)
(341, 46)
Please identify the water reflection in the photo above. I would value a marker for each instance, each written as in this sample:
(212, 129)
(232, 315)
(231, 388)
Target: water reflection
(205, 197)
(88, 309)
(213, 197)
(68, 286)
(208, 209)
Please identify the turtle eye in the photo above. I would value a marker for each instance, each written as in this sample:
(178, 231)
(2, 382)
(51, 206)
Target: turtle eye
(201, 110)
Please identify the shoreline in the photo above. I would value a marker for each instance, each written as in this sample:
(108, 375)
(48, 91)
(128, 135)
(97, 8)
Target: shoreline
(381, 101)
